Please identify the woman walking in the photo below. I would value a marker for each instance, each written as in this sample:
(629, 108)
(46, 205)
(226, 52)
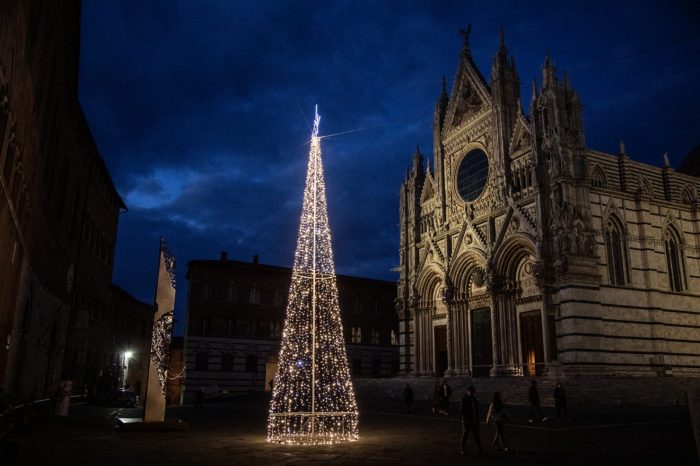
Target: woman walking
(498, 414)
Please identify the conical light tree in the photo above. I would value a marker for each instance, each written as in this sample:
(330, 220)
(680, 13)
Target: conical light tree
(313, 401)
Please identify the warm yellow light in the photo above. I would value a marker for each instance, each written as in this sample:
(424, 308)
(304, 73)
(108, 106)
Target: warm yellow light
(313, 401)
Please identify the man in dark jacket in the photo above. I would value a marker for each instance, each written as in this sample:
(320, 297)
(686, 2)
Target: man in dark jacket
(533, 396)
(560, 403)
(469, 410)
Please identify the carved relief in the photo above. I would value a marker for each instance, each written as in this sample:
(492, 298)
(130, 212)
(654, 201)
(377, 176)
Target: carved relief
(468, 104)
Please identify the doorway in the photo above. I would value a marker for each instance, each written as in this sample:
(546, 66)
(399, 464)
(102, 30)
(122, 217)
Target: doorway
(440, 350)
(531, 343)
(482, 352)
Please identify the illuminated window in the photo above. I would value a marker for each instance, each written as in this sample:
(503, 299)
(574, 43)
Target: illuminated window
(375, 336)
(356, 335)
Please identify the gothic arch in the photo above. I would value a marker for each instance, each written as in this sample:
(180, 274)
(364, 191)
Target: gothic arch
(462, 269)
(687, 195)
(429, 280)
(615, 235)
(675, 258)
(598, 179)
(511, 253)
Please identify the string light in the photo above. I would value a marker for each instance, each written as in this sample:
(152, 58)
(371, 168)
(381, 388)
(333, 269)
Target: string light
(313, 400)
(160, 348)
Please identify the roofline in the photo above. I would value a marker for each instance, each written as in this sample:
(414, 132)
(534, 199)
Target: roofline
(227, 263)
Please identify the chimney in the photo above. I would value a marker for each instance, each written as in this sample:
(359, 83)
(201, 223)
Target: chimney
(255, 259)
(224, 256)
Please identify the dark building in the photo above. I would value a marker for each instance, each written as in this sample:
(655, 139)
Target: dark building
(59, 208)
(119, 344)
(236, 312)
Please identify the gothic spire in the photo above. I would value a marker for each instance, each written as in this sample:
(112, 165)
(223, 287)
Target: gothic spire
(465, 39)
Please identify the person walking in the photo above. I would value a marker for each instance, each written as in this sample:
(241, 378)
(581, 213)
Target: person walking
(437, 397)
(408, 398)
(533, 397)
(498, 415)
(560, 403)
(469, 411)
(446, 393)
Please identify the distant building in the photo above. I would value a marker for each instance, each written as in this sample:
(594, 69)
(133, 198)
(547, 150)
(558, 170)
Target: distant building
(524, 252)
(59, 208)
(119, 344)
(176, 371)
(236, 313)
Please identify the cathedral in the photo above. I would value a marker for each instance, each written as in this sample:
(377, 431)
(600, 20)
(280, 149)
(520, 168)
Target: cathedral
(523, 252)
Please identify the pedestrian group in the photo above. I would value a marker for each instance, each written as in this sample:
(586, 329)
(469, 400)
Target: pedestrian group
(497, 413)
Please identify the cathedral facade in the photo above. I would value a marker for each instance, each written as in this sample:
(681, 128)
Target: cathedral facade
(524, 252)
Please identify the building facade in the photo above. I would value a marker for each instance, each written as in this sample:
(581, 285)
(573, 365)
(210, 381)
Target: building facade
(59, 208)
(235, 316)
(119, 345)
(524, 252)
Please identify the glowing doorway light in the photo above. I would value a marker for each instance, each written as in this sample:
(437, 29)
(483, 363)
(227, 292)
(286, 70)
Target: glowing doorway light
(313, 401)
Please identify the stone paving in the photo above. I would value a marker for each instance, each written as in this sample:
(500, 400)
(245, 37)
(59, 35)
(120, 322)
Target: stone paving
(233, 433)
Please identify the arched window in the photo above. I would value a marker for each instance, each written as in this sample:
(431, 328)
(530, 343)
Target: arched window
(616, 252)
(598, 178)
(674, 259)
(687, 196)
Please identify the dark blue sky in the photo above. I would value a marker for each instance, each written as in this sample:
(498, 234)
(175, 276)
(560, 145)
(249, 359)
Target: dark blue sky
(196, 108)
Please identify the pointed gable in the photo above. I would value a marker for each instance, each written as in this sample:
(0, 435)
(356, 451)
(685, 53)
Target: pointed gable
(428, 192)
(470, 93)
(522, 137)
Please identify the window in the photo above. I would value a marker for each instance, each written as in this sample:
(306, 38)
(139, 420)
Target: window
(242, 328)
(376, 367)
(251, 363)
(472, 175)
(356, 335)
(227, 362)
(232, 292)
(674, 260)
(205, 325)
(357, 367)
(219, 291)
(375, 336)
(201, 361)
(598, 178)
(254, 295)
(394, 340)
(616, 252)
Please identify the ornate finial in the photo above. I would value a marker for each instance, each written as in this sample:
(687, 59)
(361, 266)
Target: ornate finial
(444, 85)
(418, 149)
(465, 36)
(502, 38)
(666, 162)
(622, 148)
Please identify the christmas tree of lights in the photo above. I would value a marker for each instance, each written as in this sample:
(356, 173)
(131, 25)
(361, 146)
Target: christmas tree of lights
(313, 401)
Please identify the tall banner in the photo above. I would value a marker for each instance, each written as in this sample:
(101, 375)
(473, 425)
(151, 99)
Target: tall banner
(159, 362)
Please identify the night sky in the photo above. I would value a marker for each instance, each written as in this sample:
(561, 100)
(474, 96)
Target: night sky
(200, 109)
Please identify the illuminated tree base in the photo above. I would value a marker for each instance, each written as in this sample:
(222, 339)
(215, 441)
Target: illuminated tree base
(312, 429)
